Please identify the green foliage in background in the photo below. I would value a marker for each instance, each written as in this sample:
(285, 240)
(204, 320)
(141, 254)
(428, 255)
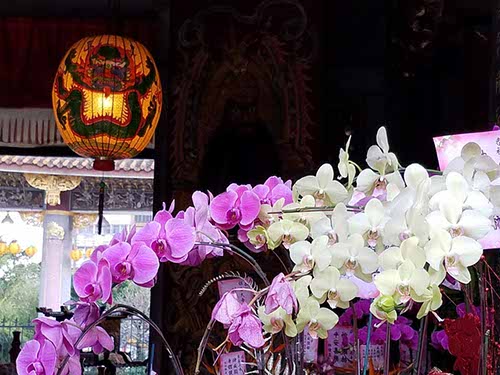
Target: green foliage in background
(19, 288)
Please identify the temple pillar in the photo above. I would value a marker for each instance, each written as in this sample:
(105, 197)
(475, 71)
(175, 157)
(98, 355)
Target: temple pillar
(55, 278)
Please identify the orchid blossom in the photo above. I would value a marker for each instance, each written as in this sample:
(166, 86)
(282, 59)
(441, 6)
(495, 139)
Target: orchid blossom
(458, 253)
(311, 255)
(323, 187)
(352, 257)
(276, 321)
(370, 223)
(286, 232)
(337, 291)
(319, 320)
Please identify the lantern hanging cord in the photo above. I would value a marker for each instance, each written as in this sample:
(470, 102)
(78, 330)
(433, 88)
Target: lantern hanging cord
(102, 189)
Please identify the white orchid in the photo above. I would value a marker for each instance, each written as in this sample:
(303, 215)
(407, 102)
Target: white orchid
(323, 187)
(352, 257)
(458, 189)
(370, 223)
(431, 300)
(301, 289)
(384, 309)
(457, 253)
(286, 232)
(372, 183)
(450, 217)
(276, 321)
(335, 227)
(378, 157)
(318, 319)
(346, 167)
(308, 256)
(393, 257)
(305, 217)
(401, 282)
(387, 177)
(337, 291)
(264, 215)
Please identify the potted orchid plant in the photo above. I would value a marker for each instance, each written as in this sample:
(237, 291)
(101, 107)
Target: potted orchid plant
(386, 236)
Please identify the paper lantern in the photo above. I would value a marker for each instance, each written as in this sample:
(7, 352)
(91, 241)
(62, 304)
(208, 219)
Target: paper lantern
(14, 247)
(107, 98)
(76, 254)
(88, 252)
(30, 251)
(3, 248)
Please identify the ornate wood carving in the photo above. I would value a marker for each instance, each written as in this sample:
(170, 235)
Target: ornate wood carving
(120, 195)
(258, 72)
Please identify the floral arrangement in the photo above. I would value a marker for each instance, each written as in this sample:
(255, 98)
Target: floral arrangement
(386, 236)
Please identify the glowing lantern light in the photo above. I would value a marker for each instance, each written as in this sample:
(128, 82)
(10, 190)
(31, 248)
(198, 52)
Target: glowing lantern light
(3, 248)
(76, 255)
(14, 247)
(89, 252)
(107, 98)
(30, 251)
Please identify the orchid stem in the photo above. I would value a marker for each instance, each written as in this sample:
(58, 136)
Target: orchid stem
(367, 346)
(356, 339)
(387, 350)
(421, 345)
(130, 311)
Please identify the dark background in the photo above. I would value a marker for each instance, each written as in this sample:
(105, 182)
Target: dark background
(422, 68)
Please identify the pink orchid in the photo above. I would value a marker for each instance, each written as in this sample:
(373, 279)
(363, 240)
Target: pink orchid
(171, 239)
(137, 262)
(124, 236)
(273, 190)
(198, 218)
(73, 366)
(97, 339)
(37, 358)
(238, 205)
(281, 294)
(246, 328)
(86, 314)
(92, 282)
(97, 253)
(226, 308)
(62, 334)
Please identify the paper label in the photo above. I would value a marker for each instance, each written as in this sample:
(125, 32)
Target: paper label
(376, 353)
(338, 348)
(225, 286)
(232, 363)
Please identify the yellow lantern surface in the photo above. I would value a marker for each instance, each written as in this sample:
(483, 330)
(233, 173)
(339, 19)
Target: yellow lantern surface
(14, 248)
(3, 248)
(107, 98)
(89, 252)
(76, 255)
(30, 251)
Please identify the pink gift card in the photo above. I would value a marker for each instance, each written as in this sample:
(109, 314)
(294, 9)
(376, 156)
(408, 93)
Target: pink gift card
(232, 363)
(310, 348)
(338, 348)
(231, 284)
(450, 147)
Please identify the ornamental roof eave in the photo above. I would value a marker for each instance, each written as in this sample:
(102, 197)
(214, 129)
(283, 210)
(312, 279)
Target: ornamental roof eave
(125, 168)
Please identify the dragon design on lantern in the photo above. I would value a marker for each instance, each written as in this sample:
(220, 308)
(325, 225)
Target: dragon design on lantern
(107, 91)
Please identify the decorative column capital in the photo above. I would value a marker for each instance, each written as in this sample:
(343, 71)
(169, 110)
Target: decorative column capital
(53, 185)
(33, 218)
(81, 221)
